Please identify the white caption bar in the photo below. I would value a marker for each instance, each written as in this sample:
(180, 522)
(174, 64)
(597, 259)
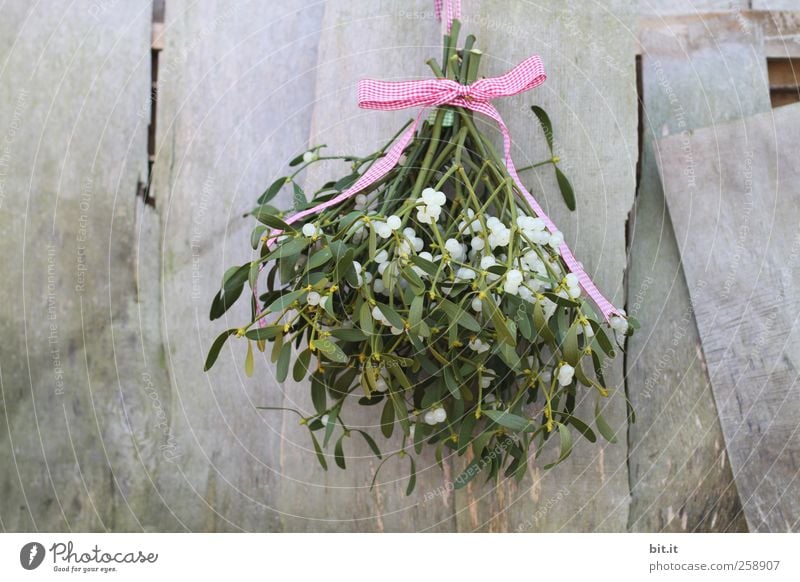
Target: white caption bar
(403, 557)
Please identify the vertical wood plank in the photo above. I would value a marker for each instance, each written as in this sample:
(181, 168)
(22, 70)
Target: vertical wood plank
(735, 214)
(384, 40)
(235, 90)
(79, 369)
(590, 94)
(695, 73)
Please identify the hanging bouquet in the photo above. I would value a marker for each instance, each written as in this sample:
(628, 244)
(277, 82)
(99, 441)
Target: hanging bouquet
(429, 285)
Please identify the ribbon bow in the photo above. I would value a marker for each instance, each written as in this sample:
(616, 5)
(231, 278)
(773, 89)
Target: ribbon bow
(394, 95)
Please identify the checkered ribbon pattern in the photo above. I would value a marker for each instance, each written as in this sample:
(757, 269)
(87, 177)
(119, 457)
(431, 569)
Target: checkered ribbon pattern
(395, 95)
(447, 11)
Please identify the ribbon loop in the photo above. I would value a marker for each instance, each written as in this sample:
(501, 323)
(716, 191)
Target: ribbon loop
(394, 95)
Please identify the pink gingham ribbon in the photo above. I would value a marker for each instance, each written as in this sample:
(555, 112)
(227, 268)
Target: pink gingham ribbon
(447, 11)
(394, 95)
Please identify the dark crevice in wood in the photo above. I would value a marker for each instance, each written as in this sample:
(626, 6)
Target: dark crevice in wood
(640, 121)
(784, 81)
(142, 192)
(155, 50)
(629, 229)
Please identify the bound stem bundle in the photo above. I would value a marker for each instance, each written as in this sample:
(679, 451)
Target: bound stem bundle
(436, 297)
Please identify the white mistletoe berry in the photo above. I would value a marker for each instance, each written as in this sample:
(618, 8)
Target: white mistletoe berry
(619, 324)
(526, 294)
(310, 230)
(456, 250)
(465, 274)
(313, 298)
(556, 239)
(549, 307)
(433, 198)
(378, 316)
(478, 345)
(382, 229)
(571, 280)
(382, 257)
(394, 222)
(565, 374)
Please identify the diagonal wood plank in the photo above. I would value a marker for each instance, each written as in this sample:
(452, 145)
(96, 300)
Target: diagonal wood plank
(698, 72)
(732, 193)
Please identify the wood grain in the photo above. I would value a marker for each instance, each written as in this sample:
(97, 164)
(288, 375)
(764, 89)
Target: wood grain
(236, 89)
(696, 73)
(670, 7)
(384, 40)
(80, 367)
(735, 215)
(590, 96)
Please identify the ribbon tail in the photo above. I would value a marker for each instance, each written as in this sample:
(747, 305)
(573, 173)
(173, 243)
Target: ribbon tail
(447, 11)
(375, 172)
(603, 304)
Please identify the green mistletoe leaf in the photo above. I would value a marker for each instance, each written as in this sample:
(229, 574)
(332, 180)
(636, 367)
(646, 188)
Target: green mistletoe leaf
(602, 426)
(508, 420)
(273, 190)
(213, 353)
(370, 443)
(566, 189)
(284, 301)
(318, 451)
(338, 453)
(387, 419)
(330, 349)
(547, 125)
(566, 445)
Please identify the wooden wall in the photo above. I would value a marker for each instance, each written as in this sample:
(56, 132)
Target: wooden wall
(107, 421)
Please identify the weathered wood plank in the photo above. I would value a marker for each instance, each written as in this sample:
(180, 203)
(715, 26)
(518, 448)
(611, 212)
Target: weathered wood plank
(735, 214)
(699, 72)
(591, 96)
(775, 5)
(80, 370)
(669, 7)
(236, 88)
(382, 40)
(778, 28)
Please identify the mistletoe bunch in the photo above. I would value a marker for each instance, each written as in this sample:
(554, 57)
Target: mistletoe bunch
(435, 296)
